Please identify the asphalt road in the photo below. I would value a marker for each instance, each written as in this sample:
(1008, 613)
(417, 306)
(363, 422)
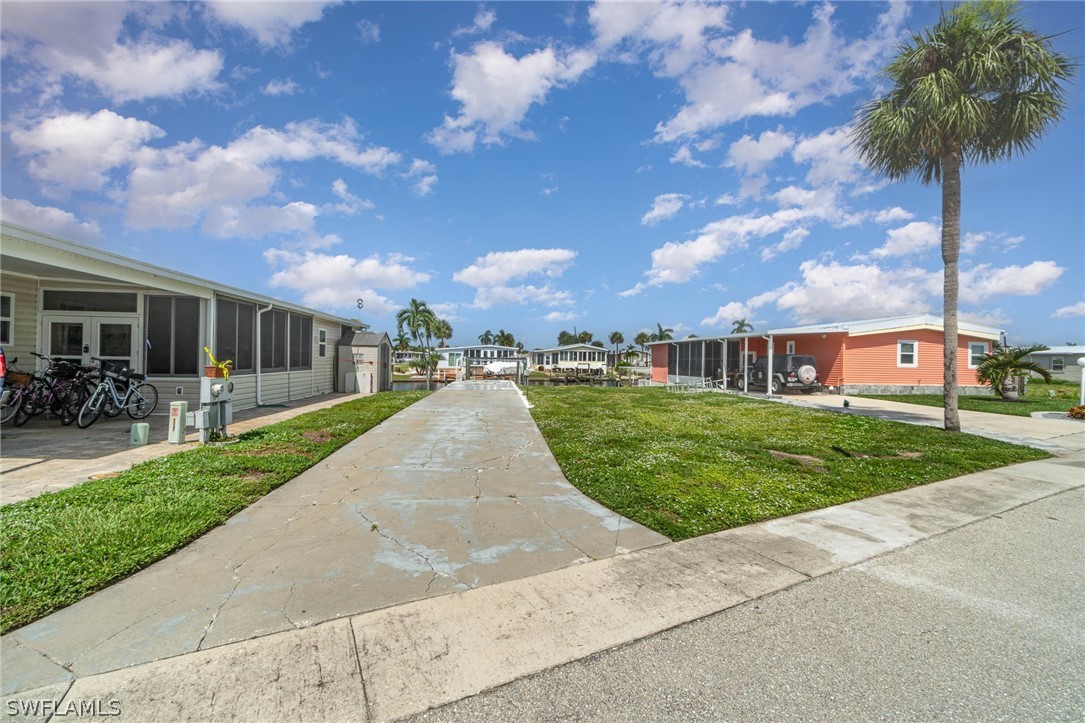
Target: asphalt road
(986, 622)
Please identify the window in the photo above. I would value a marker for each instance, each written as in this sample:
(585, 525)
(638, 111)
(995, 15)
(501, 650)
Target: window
(976, 351)
(7, 319)
(65, 300)
(273, 340)
(1058, 364)
(173, 335)
(322, 343)
(907, 354)
(790, 348)
(301, 342)
(234, 327)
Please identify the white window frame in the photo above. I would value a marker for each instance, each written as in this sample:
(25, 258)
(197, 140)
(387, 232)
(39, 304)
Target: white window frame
(790, 348)
(10, 319)
(321, 343)
(1062, 364)
(915, 353)
(984, 348)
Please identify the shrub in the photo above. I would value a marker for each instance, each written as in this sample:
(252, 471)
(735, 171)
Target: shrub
(1077, 412)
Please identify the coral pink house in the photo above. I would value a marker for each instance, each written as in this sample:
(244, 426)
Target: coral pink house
(893, 355)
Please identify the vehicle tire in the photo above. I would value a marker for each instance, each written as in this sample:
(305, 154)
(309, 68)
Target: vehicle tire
(144, 402)
(807, 374)
(10, 407)
(91, 410)
(808, 390)
(777, 386)
(740, 383)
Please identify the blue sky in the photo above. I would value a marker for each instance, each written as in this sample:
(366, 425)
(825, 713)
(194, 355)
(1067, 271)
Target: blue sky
(526, 166)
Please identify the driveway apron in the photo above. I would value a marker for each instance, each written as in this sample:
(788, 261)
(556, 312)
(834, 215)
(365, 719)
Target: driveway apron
(457, 491)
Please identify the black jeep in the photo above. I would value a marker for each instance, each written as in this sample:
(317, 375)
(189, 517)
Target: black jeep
(789, 371)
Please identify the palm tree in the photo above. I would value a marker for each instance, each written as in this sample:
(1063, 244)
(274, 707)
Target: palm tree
(419, 320)
(585, 337)
(741, 326)
(442, 331)
(616, 338)
(566, 339)
(662, 334)
(402, 342)
(486, 337)
(504, 338)
(998, 369)
(641, 339)
(976, 87)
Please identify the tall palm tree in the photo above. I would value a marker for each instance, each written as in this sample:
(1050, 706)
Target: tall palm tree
(486, 337)
(998, 369)
(419, 320)
(976, 87)
(741, 326)
(402, 342)
(662, 334)
(442, 331)
(641, 339)
(504, 338)
(616, 338)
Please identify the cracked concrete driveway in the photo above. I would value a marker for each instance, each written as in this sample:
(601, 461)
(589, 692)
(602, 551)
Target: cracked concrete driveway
(455, 492)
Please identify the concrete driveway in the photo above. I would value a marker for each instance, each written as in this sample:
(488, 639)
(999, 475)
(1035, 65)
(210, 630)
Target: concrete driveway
(456, 492)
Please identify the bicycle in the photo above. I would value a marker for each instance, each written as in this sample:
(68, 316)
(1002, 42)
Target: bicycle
(61, 388)
(138, 398)
(16, 384)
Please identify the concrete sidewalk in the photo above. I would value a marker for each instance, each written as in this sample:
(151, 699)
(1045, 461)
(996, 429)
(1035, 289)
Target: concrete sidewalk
(399, 660)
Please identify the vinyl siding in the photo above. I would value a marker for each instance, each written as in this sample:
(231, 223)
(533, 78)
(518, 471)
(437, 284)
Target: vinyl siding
(872, 359)
(25, 318)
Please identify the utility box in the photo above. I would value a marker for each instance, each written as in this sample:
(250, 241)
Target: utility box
(178, 422)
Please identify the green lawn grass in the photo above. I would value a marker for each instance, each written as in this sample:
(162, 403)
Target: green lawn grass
(689, 464)
(58, 548)
(1056, 397)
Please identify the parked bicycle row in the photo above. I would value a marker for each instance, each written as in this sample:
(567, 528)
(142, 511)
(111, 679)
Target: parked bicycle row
(75, 392)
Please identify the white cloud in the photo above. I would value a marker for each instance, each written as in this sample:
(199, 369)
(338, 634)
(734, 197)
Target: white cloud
(1073, 310)
(674, 35)
(424, 177)
(178, 186)
(484, 20)
(984, 281)
(831, 291)
(792, 240)
(48, 219)
(664, 206)
(271, 23)
(281, 87)
(561, 316)
(726, 199)
(993, 317)
(910, 240)
(831, 157)
(755, 155)
(892, 215)
(745, 76)
(82, 41)
(728, 314)
(350, 203)
(77, 150)
(368, 32)
(491, 276)
(496, 90)
(685, 156)
(336, 281)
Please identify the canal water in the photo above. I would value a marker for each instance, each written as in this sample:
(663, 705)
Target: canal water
(421, 386)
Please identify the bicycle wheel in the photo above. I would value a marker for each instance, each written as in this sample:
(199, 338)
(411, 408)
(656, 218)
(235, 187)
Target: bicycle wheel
(91, 409)
(25, 410)
(13, 400)
(78, 394)
(142, 399)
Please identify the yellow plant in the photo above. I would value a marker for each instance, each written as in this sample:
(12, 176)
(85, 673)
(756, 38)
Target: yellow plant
(223, 365)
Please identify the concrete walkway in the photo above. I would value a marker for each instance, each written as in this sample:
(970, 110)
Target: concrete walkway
(453, 493)
(266, 571)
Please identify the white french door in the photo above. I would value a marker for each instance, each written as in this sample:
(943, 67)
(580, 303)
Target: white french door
(78, 338)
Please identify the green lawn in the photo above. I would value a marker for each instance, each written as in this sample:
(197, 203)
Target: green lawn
(688, 464)
(58, 548)
(1055, 397)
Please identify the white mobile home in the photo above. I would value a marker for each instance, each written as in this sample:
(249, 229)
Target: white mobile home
(68, 300)
(571, 359)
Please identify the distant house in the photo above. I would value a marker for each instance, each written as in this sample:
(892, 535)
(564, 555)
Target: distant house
(64, 299)
(478, 355)
(897, 355)
(1061, 361)
(571, 359)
